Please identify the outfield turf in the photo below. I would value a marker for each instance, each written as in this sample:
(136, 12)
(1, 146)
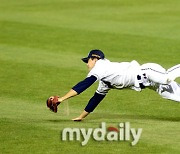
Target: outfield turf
(41, 43)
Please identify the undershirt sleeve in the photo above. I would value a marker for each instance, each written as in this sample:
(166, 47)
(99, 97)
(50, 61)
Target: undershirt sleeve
(93, 102)
(83, 85)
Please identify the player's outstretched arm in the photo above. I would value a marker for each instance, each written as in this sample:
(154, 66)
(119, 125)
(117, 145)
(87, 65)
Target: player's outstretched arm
(70, 94)
(92, 104)
(79, 88)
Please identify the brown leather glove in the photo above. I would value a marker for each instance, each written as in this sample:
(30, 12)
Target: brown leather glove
(52, 103)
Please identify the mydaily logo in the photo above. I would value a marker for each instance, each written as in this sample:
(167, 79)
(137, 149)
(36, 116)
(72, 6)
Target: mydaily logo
(123, 133)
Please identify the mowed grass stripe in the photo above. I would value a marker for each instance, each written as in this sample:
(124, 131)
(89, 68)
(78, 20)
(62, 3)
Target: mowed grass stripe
(138, 18)
(57, 40)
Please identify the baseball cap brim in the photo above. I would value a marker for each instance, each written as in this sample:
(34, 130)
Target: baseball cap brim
(85, 59)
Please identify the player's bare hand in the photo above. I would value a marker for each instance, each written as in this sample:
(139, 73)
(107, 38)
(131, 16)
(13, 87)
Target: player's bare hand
(77, 119)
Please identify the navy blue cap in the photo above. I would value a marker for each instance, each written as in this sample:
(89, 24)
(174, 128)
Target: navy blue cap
(94, 54)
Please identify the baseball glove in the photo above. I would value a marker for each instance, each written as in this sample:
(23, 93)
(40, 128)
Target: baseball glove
(52, 103)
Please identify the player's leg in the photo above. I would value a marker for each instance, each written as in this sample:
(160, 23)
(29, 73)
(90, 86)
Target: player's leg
(155, 73)
(170, 91)
(174, 72)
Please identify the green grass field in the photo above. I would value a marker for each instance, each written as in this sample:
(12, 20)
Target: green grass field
(41, 43)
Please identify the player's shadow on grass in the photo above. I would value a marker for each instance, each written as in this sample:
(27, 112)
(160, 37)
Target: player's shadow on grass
(126, 116)
(114, 117)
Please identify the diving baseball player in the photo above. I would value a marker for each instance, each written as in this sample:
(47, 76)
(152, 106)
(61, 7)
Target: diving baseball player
(118, 75)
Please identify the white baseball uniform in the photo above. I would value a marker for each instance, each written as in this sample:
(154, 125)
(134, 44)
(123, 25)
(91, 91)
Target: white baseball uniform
(124, 74)
(169, 90)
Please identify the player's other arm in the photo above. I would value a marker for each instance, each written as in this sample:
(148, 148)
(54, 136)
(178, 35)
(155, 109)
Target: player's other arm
(79, 88)
(94, 101)
(92, 104)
